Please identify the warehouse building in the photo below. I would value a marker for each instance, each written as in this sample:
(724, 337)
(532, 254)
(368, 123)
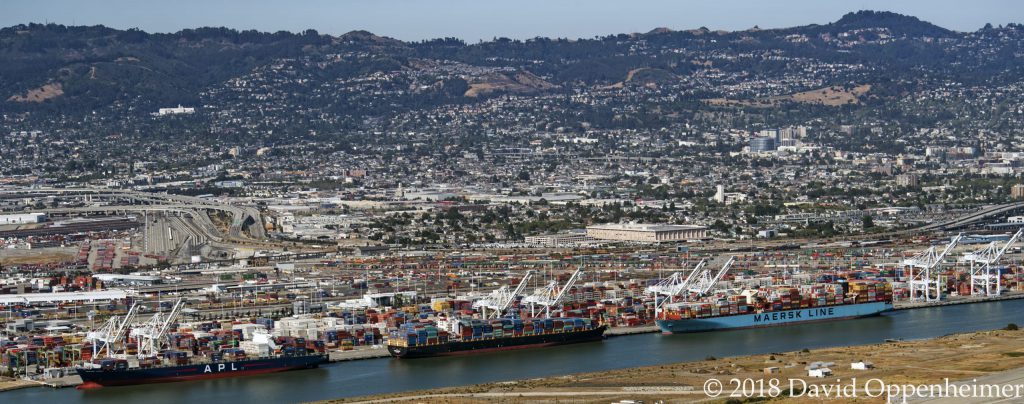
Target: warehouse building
(646, 233)
(23, 218)
(559, 239)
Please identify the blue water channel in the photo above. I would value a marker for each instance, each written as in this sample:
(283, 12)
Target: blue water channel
(375, 376)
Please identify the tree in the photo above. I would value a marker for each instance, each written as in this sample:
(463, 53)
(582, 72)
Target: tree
(867, 222)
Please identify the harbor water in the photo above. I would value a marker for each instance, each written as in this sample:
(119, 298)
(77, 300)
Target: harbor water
(376, 376)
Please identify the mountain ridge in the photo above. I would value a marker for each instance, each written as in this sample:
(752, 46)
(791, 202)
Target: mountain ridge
(95, 66)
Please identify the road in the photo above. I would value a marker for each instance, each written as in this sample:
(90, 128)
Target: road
(123, 201)
(984, 213)
(1011, 381)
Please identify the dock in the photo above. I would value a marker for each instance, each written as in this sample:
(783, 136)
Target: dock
(61, 382)
(8, 384)
(357, 354)
(952, 301)
(620, 331)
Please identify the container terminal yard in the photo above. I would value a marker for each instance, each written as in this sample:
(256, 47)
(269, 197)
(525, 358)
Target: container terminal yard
(141, 292)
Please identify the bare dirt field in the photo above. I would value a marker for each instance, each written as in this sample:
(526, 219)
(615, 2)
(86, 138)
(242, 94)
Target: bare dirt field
(47, 91)
(10, 256)
(954, 357)
(831, 96)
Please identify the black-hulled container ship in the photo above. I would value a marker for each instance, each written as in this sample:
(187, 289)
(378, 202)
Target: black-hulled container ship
(116, 372)
(262, 354)
(418, 340)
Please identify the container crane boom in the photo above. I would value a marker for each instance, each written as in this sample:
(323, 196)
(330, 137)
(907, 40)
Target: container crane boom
(706, 282)
(992, 254)
(568, 285)
(501, 299)
(112, 331)
(675, 283)
(922, 280)
(546, 296)
(983, 274)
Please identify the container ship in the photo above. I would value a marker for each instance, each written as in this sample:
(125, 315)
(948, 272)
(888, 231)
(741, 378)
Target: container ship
(119, 372)
(778, 306)
(147, 353)
(418, 340)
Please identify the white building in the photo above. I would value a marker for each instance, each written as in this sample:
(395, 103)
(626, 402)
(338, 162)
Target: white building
(819, 369)
(646, 233)
(819, 372)
(175, 111)
(862, 365)
(559, 239)
(23, 218)
(727, 198)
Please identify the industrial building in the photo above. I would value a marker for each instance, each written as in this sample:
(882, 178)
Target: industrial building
(560, 239)
(129, 280)
(646, 233)
(23, 218)
(63, 297)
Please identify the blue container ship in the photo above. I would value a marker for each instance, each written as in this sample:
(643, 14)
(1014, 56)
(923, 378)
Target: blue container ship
(779, 306)
(774, 318)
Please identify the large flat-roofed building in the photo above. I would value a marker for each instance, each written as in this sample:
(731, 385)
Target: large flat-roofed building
(23, 218)
(559, 239)
(646, 233)
(179, 110)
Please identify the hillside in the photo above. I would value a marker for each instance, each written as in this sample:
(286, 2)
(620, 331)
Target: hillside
(79, 70)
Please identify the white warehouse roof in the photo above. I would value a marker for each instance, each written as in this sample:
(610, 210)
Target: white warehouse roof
(63, 297)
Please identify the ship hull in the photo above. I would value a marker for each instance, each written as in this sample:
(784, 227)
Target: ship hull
(773, 319)
(498, 344)
(105, 378)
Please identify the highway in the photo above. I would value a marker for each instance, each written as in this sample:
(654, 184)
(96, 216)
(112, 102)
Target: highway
(124, 201)
(984, 213)
(176, 226)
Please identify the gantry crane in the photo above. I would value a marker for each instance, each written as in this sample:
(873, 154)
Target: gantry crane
(706, 281)
(151, 333)
(501, 299)
(675, 283)
(551, 294)
(700, 281)
(984, 275)
(923, 279)
(111, 332)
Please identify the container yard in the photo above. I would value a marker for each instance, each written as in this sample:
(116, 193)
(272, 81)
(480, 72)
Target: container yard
(432, 304)
(373, 202)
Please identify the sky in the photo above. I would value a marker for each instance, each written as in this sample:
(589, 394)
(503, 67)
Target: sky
(474, 20)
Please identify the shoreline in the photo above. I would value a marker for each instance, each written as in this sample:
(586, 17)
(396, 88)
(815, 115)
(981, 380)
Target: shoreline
(949, 358)
(369, 353)
(900, 305)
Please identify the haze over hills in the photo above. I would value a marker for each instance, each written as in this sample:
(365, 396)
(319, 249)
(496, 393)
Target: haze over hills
(80, 69)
